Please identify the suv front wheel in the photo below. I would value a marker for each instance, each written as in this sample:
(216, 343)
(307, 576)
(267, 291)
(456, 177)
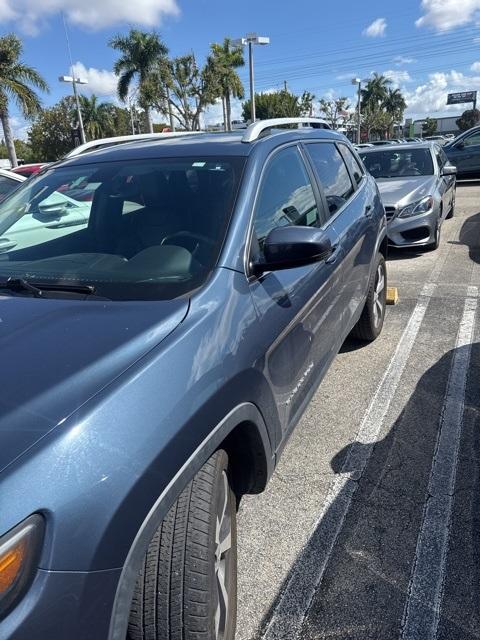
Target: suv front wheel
(370, 324)
(186, 589)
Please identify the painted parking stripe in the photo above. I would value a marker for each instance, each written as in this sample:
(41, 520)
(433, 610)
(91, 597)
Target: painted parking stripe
(307, 573)
(422, 609)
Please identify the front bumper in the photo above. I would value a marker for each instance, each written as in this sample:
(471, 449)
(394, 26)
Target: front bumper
(412, 232)
(63, 605)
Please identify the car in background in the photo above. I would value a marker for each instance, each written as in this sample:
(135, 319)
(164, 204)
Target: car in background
(438, 139)
(9, 181)
(464, 153)
(156, 362)
(379, 143)
(413, 139)
(364, 145)
(28, 170)
(417, 186)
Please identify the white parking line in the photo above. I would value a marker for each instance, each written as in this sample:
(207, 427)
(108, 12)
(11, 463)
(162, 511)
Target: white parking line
(422, 609)
(308, 570)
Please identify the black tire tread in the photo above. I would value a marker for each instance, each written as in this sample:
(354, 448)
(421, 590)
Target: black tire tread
(172, 594)
(364, 329)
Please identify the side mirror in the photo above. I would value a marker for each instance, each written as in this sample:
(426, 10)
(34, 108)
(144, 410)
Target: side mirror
(449, 170)
(293, 246)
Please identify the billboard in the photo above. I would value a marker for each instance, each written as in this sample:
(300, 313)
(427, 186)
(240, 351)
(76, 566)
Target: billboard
(463, 96)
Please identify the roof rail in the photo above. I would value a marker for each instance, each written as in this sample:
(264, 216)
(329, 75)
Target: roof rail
(255, 130)
(95, 145)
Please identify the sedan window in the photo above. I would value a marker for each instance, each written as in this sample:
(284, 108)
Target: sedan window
(398, 163)
(7, 185)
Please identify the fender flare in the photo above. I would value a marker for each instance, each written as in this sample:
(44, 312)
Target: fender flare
(245, 412)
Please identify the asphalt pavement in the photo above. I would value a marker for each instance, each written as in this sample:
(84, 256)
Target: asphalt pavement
(369, 528)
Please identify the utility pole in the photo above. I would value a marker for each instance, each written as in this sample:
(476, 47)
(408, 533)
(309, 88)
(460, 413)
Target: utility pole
(285, 88)
(74, 83)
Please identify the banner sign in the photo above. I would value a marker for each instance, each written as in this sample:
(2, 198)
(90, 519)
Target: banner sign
(464, 96)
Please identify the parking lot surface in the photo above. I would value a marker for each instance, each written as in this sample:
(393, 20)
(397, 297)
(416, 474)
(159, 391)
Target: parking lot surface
(369, 527)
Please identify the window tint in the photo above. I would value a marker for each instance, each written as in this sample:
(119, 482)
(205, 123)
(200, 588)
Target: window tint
(352, 164)
(286, 196)
(472, 140)
(398, 163)
(7, 185)
(332, 173)
(441, 158)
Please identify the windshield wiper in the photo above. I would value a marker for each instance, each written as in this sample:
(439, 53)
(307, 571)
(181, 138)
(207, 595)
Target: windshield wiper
(36, 289)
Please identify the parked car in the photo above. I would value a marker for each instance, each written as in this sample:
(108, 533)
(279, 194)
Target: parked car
(9, 181)
(28, 170)
(438, 139)
(364, 145)
(156, 361)
(379, 143)
(464, 152)
(417, 185)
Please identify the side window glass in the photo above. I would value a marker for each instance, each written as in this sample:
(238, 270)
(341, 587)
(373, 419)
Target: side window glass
(472, 140)
(352, 164)
(332, 173)
(440, 159)
(286, 196)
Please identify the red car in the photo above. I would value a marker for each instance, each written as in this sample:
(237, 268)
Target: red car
(28, 170)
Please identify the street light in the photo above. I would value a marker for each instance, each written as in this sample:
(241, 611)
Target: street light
(74, 81)
(251, 39)
(358, 81)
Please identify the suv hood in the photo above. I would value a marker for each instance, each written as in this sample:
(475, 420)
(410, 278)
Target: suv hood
(57, 354)
(402, 191)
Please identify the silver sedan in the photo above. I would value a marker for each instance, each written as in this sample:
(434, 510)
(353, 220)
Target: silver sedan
(417, 187)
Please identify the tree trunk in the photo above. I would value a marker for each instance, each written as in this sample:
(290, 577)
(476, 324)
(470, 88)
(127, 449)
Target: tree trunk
(228, 110)
(7, 134)
(148, 118)
(224, 114)
(170, 114)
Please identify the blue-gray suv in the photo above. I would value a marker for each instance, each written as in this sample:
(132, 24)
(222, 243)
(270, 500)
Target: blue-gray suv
(157, 352)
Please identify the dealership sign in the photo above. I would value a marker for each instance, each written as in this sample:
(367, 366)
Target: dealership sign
(460, 98)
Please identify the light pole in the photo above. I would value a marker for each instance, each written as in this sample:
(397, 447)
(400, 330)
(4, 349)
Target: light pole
(251, 39)
(358, 82)
(74, 82)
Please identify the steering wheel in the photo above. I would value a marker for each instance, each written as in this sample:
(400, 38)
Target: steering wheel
(190, 241)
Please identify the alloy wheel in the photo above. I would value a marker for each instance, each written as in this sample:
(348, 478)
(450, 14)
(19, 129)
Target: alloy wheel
(223, 546)
(378, 295)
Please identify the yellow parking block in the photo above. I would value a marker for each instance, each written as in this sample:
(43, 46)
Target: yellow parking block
(392, 295)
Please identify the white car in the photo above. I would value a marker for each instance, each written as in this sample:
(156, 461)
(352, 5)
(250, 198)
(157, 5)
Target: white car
(56, 215)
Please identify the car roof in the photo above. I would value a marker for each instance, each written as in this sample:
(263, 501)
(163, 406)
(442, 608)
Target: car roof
(204, 144)
(401, 147)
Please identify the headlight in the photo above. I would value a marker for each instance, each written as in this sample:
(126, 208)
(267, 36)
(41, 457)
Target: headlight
(19, 554)
(415, 208)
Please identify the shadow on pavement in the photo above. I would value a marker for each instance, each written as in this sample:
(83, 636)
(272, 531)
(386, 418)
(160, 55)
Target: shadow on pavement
(365, 585)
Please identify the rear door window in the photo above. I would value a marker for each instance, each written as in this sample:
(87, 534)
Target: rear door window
(332, 173)
(352, 163)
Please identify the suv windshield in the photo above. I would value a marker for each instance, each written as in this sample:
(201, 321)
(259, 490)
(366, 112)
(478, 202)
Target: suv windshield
(396, 163)
(143, 230)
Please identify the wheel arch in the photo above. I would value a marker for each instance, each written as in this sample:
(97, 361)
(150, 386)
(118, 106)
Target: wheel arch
(244, 435)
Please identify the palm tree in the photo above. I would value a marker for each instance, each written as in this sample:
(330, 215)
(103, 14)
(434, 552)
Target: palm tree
(376, 91)
(141, 53)
(395, 105)
(16, 81)
(97, 117)
(224, 59)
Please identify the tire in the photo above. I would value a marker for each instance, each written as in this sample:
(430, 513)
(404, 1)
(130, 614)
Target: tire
(370, 324)
(433, 246)
(178, 594)
(451, 213)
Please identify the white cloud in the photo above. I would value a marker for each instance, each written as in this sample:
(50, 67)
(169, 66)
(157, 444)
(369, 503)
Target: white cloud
(444, 15)
(19, 127)
(347, 76)
(213, 114)
(399, 60)
(100, 81)
(431, 97)
(32, 15)
(376, 29)
(475, 66)
(397, 76)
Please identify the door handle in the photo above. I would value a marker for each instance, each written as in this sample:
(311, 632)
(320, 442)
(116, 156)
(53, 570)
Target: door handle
(368, 211)
(334, 255)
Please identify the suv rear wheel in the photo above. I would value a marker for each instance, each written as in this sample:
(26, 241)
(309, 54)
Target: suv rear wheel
(186, 589)
(370, 324)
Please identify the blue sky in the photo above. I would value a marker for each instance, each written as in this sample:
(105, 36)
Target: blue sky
(427, 47)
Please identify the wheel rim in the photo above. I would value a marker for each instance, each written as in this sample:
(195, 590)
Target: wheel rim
(223, 545)
(378, 295)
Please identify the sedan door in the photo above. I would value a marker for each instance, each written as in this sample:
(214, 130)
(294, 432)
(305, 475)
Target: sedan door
(299, 310)
(446, 183)
(465, 154)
